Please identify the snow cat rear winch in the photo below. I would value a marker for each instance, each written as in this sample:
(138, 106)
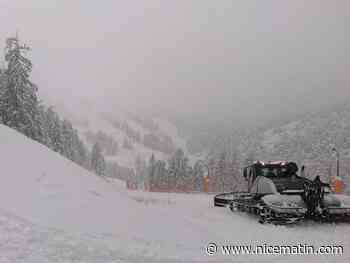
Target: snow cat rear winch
(278, 195)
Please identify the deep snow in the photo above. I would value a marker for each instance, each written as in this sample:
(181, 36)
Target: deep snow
(51, 210)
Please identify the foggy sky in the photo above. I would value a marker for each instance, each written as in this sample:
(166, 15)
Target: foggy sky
(245, 58)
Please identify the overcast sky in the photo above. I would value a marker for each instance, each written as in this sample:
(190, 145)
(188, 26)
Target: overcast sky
(190, 56)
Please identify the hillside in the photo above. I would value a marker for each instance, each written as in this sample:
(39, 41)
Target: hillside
(51, 210)
(311, 137)
(132, 136)
(308, 141)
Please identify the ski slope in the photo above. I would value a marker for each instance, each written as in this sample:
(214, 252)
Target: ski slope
(86, 117)
(51, 210)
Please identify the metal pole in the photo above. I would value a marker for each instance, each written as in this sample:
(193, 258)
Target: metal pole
(168, 188)
(338, 157)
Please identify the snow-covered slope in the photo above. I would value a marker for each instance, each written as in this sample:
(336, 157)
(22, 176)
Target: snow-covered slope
(87, 117)
(51, 210)
(310, 137)
(309, 141)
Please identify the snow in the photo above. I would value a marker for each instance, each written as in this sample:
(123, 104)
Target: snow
(51, 210)
(90, 118)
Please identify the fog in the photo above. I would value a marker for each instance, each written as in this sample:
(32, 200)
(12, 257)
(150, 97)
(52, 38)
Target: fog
(242, 59)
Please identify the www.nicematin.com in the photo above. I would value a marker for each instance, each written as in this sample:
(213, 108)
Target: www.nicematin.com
(265, 249)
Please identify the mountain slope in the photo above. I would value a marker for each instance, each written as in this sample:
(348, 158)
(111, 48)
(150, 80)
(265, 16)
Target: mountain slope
(144, 135)
(311, 137)
(310, 141)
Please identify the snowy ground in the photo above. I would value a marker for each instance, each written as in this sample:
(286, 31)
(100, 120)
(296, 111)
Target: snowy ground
(54, 211)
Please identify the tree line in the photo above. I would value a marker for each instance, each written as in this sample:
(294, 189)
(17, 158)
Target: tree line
(221, 172)
(21, 109)
(109, 146)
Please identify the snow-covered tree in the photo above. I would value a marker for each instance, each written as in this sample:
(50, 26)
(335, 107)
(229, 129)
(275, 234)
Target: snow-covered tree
(198, 175)
(43, 122)
(178, 167)
(235, 180)
(98, 164)
(151, 170)
(54, 130)
(107, 143)
(18, 101)
(67, 139)
(221, 170)
(21, 109)
(140, 172)
(2, 89)
(81, 154)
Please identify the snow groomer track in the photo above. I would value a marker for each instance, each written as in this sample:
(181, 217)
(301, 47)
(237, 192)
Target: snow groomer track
(223, 200)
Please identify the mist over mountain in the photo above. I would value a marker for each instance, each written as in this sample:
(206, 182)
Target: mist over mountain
(216, 70)
(203, 130)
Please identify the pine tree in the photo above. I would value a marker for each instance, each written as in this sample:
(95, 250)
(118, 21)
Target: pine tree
(178, 168)
(2, 89)
(80, 151)
(140, 172)
(55, 131)
(43, 126)
(21, 109)
(233, 174)
(161, 175)
(19, 102)
(151, 171)
(220, 170)
(67, 139)
(98, 164)
(198, 174)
